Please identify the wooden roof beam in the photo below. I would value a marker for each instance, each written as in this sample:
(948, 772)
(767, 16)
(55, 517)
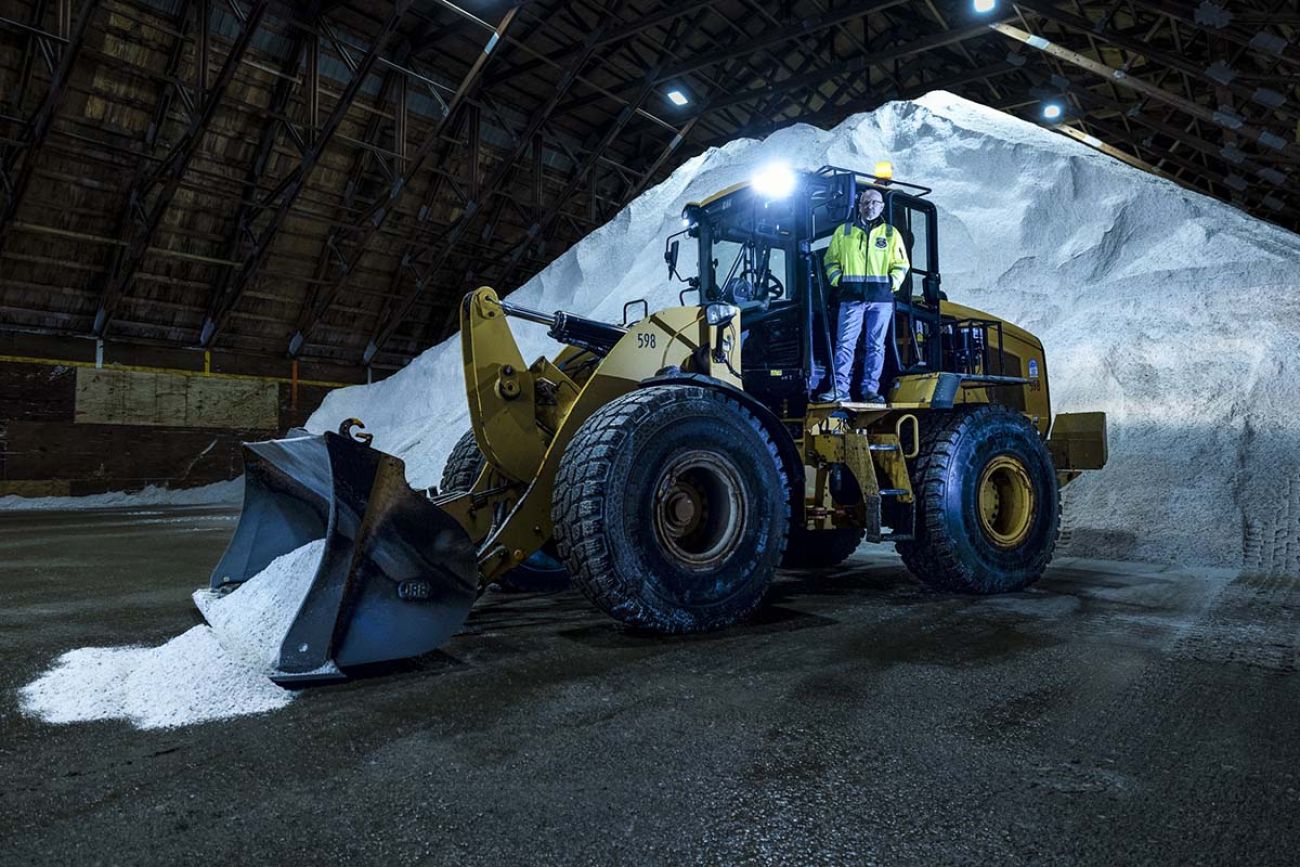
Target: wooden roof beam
(161, 184)
(394, 314)
(18, 163)
(364, 229)
(283, 198)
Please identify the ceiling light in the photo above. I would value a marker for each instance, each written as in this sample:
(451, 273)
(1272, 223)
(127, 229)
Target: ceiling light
(676, 97)
(1053, 111)
(984, 6)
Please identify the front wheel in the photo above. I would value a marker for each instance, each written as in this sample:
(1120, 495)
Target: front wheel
(541, 572)
(671, 509)
(988, 506)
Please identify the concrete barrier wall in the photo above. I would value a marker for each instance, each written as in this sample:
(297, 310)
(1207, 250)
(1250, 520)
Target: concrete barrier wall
(68, 427)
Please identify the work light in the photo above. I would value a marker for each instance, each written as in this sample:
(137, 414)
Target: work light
(720, 314)
(775, 181)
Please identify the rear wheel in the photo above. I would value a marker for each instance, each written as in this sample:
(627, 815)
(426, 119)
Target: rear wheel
(671, 509)
(542, 571)
(821, 549)
(988, 506)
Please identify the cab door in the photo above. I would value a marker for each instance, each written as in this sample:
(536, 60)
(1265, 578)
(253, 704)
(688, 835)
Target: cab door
(915, 347)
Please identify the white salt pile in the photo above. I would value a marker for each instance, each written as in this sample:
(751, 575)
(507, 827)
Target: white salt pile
(228, 493)
(1176, 314)
(208, 673)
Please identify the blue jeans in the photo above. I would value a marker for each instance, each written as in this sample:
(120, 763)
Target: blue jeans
(877, 315)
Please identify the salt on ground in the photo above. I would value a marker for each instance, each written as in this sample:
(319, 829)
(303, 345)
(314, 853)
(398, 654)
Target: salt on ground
(226, 493)
(208, 673)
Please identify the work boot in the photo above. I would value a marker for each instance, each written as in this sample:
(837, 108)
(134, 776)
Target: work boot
(872, 397)
(832, 396)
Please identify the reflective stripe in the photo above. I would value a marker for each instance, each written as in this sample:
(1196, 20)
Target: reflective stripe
(884, 281)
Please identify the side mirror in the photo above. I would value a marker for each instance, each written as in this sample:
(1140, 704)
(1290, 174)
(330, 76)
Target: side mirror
(845, 198)
(670, 256)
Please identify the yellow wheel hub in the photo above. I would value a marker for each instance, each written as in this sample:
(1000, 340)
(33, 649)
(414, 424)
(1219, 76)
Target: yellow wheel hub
(699, 509)
(1006, 501)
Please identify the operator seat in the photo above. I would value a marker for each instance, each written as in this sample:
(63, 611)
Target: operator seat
(741, 292)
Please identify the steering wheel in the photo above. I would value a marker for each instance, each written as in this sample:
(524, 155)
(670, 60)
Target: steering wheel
(775, 289)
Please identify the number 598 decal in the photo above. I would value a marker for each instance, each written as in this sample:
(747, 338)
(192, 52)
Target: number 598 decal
(645, 341)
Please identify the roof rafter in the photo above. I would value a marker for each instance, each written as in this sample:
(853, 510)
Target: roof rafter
(284, 196)
(150, 198)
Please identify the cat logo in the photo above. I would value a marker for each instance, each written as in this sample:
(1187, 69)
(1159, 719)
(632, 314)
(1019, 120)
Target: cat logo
(882, 243)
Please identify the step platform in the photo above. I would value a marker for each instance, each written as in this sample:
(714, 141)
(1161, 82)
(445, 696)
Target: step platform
(850, 405)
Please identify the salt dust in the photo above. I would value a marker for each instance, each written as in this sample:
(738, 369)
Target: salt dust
(210, 672)
(1174, 313)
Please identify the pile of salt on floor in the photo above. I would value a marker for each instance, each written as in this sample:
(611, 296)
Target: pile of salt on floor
(208, 673)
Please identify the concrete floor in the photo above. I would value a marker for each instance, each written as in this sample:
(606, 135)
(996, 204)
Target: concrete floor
(1114, 713)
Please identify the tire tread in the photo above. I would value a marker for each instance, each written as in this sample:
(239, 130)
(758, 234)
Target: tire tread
(931, 556)
(584, 481)
(463, 465)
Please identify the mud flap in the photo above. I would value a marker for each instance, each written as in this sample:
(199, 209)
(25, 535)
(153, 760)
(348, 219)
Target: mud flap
(398, 575)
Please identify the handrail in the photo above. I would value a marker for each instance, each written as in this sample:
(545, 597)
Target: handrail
(829, 170)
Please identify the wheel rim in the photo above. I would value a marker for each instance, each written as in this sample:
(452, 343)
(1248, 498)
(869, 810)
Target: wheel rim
(1006, 501)
(699, 509)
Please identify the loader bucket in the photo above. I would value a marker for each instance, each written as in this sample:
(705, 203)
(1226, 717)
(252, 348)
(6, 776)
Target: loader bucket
(398, 575)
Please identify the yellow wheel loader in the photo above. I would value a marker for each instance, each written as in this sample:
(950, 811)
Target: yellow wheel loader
(672, 463)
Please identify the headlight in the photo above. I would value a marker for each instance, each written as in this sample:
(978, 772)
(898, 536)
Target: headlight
(720, 314)
(774, 181)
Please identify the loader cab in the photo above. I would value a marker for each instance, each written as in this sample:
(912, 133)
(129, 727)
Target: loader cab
(764, 254)
(747, 249)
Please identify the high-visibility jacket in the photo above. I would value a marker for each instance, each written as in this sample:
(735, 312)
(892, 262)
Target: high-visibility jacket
(868, 263)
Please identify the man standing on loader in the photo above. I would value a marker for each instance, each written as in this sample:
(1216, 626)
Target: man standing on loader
(868, 261)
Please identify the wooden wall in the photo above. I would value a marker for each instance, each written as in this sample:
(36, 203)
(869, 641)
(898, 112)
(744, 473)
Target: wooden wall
(68, 427)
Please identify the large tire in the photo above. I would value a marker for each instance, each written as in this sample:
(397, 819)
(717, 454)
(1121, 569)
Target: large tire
(820, 549)
(463, 465)
(671, 509)
(988, 506)
(541, 572)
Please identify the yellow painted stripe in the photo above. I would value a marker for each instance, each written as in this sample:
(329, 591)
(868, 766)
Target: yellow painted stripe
(719, 194)
(135, 368)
